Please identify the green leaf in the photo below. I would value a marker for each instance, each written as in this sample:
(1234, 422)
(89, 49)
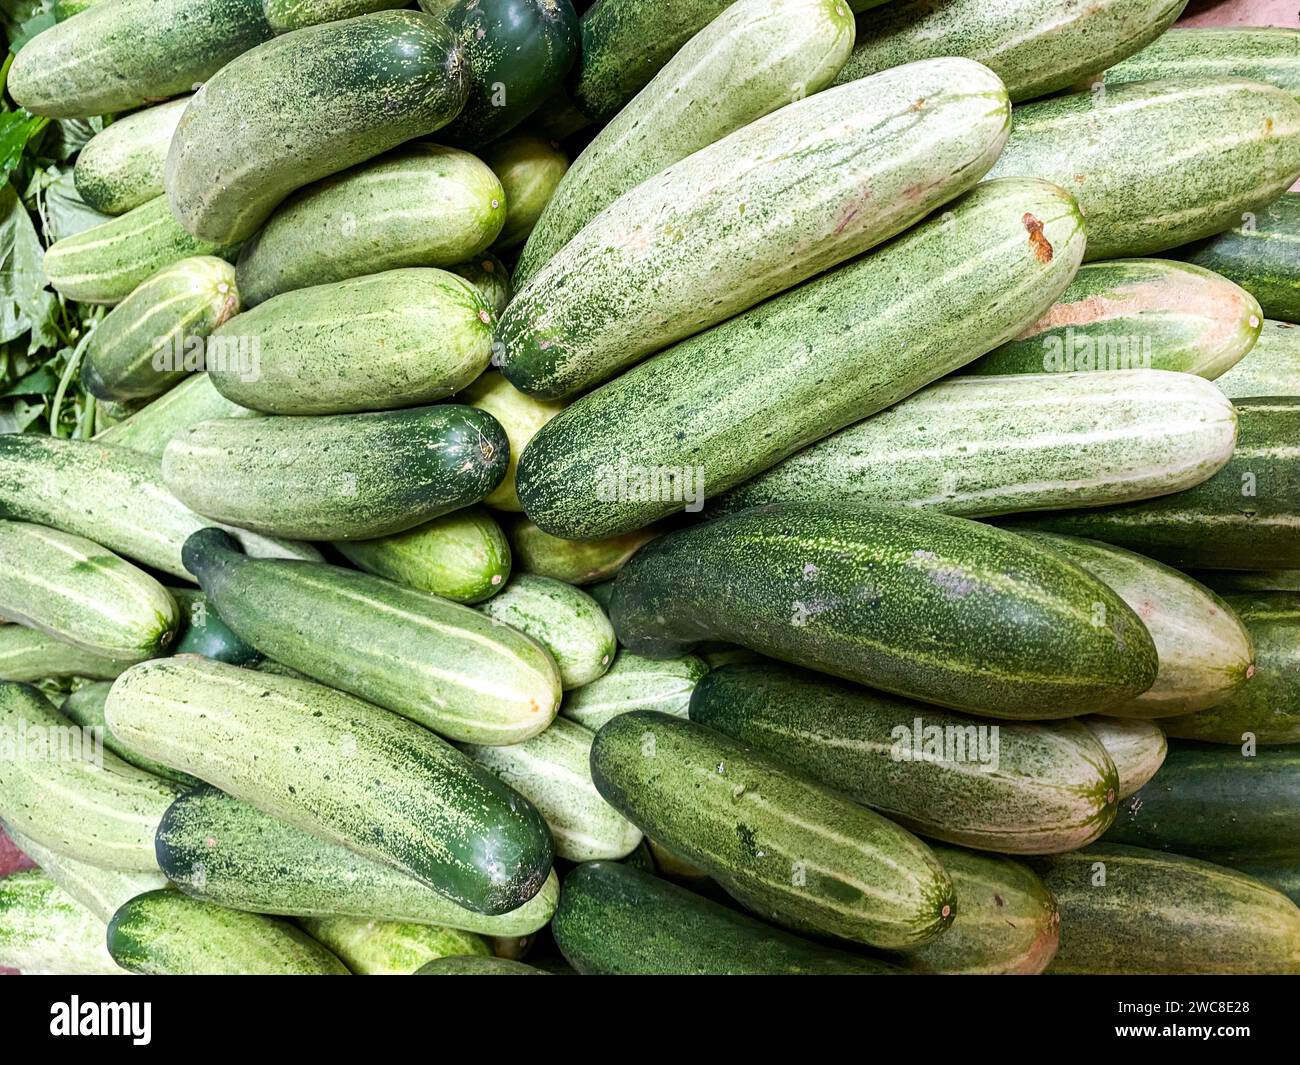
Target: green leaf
(25, 304)
(62, 210)
(16, 129)
(18, 415)
(41, 381)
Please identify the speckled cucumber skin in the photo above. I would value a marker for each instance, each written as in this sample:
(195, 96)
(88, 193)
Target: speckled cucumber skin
(635, 683)
(29, 655)
(521, 416)
(355, 88)
(1268, 708)
(452, 208)
(980, 446)
(45, 932)
(614, 920)
(1137, 748)
(1245, 517)
(105, 263)
(1136, 313)
(78, 591)
(530, 169)
(757, 56)
(106, 812)
(1270, 368)
(396, 793)
(165, 933)
(1259, 53)
(286, 15)
(192, 401)
(925, 605)
(85, 707)
(370, 947)
(477, 965)
(337, 477)
(1035, 46)
(138, 351)
(1143, 187)
(203, 632)
(718, 408)
(765, 208)
(831, 863)
(489, 275)
(443, 665)
(121, 167)
(214, 847)
(1162, 914)
(577, 562)
(1052, 787)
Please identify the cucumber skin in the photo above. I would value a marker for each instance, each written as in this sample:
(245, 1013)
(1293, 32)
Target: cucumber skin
(370, 947)
(1283, 876)
(614, 920)
(204, 633)
(924, 605)
(521, 416)
(44, 931)
(587, 562)
(530, 170)
(85, 707)
(29, 655)
(1137, 748)
(1122, 153)
(453, 208)
(357, 88)
(404, 797)
(1270, 368)
(635, 683)
(719, 403)
(720, 231)
(489, 275)
(192, 401)
(476, 965)
(121, 167)
(1256, 52)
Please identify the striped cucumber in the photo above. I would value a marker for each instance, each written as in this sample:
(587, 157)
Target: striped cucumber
(1271, 368)
(443, 665)
(44, 931)
(489, 275)
(718, 408)
(192, 401)
(925, 605)
(531, 170)
(1260, 53)
(980, 446)
(121, 167)
(1022, 789)
(214, 847)
(768, 206)
(541, 553)
(810, 853)
(552, 771)
(635, 683)
(477, 965)
(389, 948)
(30, 655)
(1136, 747)
(1143, 185)
(396, 793)
(203, 632)
(84, 707)
(453, 207)
(521, 416)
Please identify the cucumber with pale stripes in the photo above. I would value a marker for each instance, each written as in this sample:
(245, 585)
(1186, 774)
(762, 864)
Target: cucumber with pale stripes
(635, 683)
(217, 848)
(85, 707)
(880, 328)
(393, 791)
(121, 166)
(979, 446)
(1260, 53)
(1142, 183)
(1270, 368)
(1023, 789)
(477, 965)
(389, 948)
(106, 810)
(521, 416)
(768, 206)
(1137, 748)
(44, 931)
(489, 275)
(1136, 313)
(192, 401)
(443, 665)
(578, 562)
(31, 655)
(781, 840)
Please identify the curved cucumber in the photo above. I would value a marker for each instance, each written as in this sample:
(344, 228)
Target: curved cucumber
(29, 655)
(192, 401)
(44, 931)
(85, 707)
(521, 416)
(1136, 747)
(489, 275)
(1260, 53)
(389, 948)
(204, 633)
(635, 683)
(577, 562)
(530, 169)
(477, 965)
(1270, 368)
(1284, 876)
(121, 167)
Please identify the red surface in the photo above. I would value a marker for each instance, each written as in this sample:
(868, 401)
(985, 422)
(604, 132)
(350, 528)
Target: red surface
(11, 858)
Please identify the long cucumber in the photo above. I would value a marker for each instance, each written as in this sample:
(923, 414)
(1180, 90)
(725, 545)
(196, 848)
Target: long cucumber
(30, 655)
(635, 683)
(192, 401)
(390, 948)
(44, 931)
(1260, 53)
(85, 707)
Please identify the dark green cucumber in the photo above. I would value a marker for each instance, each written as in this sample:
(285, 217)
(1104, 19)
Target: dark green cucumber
(1260, 53)
(477, 965)
(934, 607)
(811, 853)
(1270, 368)
(1137, 748)
(1284, 876)
(1238, 582)
(192, 401)
(370, 947)
(1126, 911)
(44, 931)
(578, 562)
(635, 683)
(85, 707)
(530, 169)
(614, 920)
(337, 477)
(203, 632)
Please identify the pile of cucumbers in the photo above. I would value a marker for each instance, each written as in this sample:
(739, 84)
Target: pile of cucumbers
(662, 487)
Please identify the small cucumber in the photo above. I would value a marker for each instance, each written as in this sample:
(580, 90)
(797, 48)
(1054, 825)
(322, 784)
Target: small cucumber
(1270, 368)
(635, 683)
(521, 416)
(121, 167)
(29, 655)
(192, 401)
(389, 948)
(1137, 748)
(477, 965)
(578, 562)
(489, 275)
(1260, 53)
(530, 170)
(85, 707)
(203, 632)
(44, 931)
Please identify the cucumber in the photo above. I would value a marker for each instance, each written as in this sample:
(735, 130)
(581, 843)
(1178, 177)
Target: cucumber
(623, 456)
(1206, 654)
(462, 556)
(78, 591)
(1136, 313)
(1259, 254)
(563, 619)
(541, 553)
(147, 343)
(635, 683)
(925, 605)
(1244, 517)
(530, 169)
(1137, 748)
(520, 415)
(1022, 789)
(192, 401)
(476, 965)
(1007, 923)
(445, 666)
(337, 477)
(1218, 804)
(1284, 876)
(1260, 53)
(217, 848)
(980, 446)
(106, 810)
(754, 58)
(818, 857)
(204, 633)
(353, 89)
(1128, 911)
(121, 166)
(552, 771)
(453, 207)
(85, 707)
(765, 208)
(165, 933)
(489, 275)
(1143, 185)
(1035, 46)
(614, 920)
(29, 655)
(105, 263)
(397, 794)
(389, 948)
(44, 931)
(286, 15)
(1271, 368)
(1268, 708)
(1227, 582)
(517, 52)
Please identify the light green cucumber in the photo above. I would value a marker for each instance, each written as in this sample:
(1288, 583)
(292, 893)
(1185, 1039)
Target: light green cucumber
(1136, 747)
(635, 683)
(452, 208)
(1270, 368)
(520, 415)
(46, 932)
(192, 401)
(477, 965)
(389, 948)
(30, 655)
(1260, 53)
(121, 167)
(489, 275)
(577, 562)
(530, 169)
(84, 706)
